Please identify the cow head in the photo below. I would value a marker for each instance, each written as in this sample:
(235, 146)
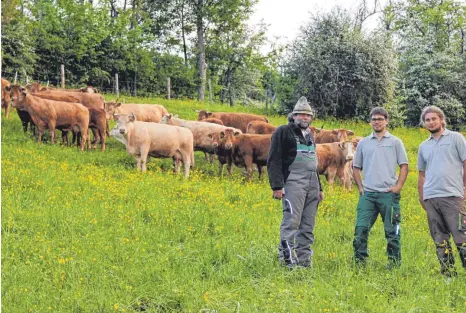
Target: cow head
(228, 137)
(34, 87)
(347, 148)
(166, 119)
(110, 108)
(18, 94)
(202, 114)
(314, 131)
(342, 134)
(124, 122)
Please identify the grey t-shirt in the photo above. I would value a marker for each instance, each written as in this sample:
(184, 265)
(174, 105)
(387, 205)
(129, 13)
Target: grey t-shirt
(442, 160)
(378, 161)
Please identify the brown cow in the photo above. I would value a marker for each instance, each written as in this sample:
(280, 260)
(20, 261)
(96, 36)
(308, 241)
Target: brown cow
(333, 158)
(328, 136)
(89, 100)
(260, 128)
(213, 121)
(145, 139)
(52, 114)
(235, 120)
(143, 112)
(243, 150)
(6, 101)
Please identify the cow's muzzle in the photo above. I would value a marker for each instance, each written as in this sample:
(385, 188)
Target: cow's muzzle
(122, 131)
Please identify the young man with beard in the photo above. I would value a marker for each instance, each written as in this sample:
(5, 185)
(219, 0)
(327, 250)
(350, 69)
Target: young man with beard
(442, 187)
(378, 156)
(293, 177)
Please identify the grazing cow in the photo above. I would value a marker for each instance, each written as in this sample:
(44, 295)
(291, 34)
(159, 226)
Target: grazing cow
(143, 112)
(333, 157)
(243, 150)
(145, 139)
(328, 136)
(52, 114)
(235, 120)
(202, 132)
(213, 120)
(6, 101)
(260, 128)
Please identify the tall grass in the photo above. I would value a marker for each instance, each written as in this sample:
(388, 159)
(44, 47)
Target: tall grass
(85, 232)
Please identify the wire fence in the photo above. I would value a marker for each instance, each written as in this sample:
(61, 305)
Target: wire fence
(125, 87)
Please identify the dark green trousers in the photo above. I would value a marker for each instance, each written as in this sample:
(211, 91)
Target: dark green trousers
(370, 205)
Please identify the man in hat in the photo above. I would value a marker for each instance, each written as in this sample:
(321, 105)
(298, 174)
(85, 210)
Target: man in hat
(442, 187)
(293, 177)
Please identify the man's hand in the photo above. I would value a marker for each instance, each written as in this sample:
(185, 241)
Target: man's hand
(277, 194)
(321, 196)
(361, 191)
(421, 201)
(394, 189)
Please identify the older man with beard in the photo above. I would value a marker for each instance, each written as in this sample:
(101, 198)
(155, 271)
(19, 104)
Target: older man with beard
(293, 177)
(442, 187)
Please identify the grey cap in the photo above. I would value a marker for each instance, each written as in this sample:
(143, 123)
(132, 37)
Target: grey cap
(302, 106)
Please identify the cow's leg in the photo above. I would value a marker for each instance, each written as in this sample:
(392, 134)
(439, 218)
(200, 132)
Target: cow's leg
(186, 163)
(103, 138)
(229, 161)
(249, 166)
(52, 133)
(206, 156)
(331, 172)
(7, 110)
(138, 163)
(220, 167)
(259, 169)
(143, 160)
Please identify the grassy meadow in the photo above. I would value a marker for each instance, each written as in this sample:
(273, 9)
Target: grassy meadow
(85, 232)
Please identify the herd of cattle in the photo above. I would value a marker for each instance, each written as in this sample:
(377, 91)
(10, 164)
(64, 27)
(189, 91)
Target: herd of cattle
(151, 131)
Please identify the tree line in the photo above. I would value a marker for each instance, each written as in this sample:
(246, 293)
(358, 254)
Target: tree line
(414, 57)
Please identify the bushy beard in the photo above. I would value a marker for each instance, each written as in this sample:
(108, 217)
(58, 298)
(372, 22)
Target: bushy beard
(301, 124)
(434, 131)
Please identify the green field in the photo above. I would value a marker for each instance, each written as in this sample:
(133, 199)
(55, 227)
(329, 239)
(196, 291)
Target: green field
(85, 232)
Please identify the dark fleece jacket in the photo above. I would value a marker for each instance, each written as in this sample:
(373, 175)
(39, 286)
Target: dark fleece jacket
(283, 152)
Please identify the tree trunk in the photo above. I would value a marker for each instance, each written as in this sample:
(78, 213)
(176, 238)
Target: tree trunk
(201, 66)
(183, 35)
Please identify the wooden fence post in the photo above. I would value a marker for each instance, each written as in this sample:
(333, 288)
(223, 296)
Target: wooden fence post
(168, 88)
(16, 77)
(62, 68)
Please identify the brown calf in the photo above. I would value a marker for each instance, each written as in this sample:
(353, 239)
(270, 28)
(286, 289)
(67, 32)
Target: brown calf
(243, 150)
(333, 158)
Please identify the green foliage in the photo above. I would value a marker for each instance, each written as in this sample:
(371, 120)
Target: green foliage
(338, 69)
